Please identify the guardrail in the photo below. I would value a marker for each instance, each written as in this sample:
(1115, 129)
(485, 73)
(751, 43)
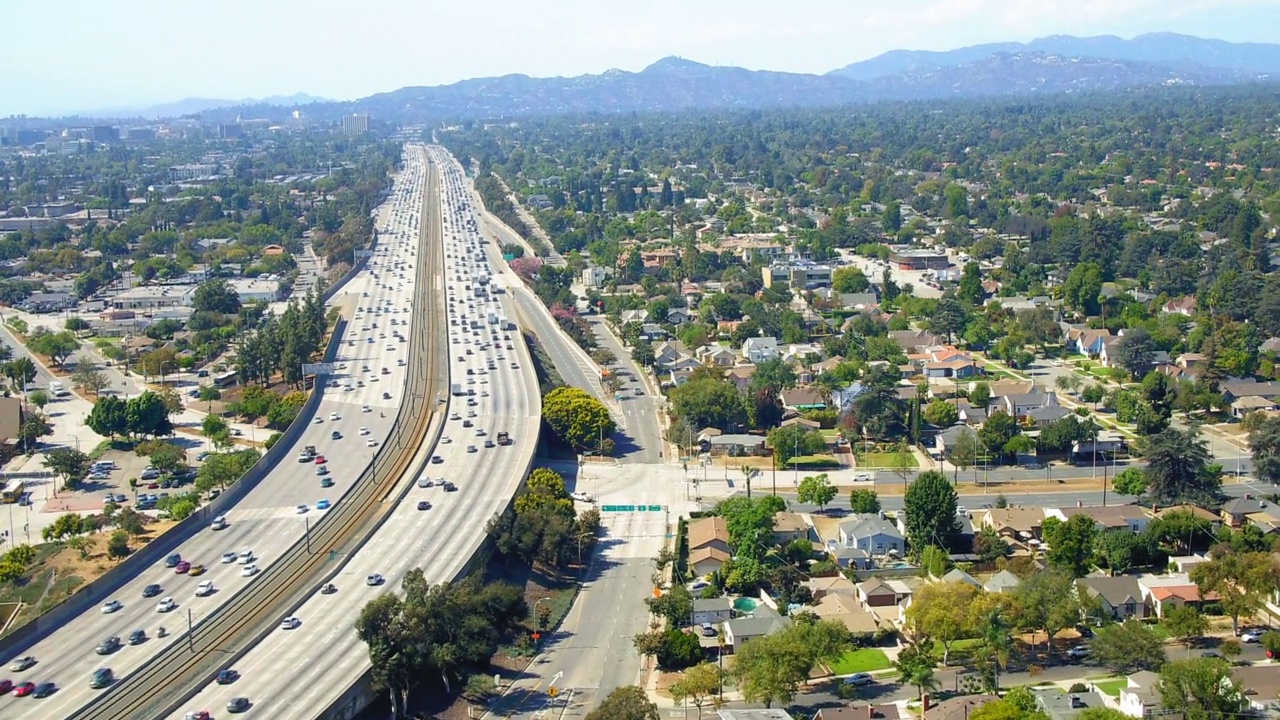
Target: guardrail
(161, 684)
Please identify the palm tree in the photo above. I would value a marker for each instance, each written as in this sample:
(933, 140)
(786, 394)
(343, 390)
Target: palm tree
(915, 667)
(748, 472)
(996, 644)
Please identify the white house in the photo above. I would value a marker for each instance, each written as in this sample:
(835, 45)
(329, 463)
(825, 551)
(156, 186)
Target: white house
(759, 349)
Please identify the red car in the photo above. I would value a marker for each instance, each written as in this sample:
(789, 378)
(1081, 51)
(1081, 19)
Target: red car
(182, 567)
(24, 689)
(5, 686)
(320, 460)
(198, 715)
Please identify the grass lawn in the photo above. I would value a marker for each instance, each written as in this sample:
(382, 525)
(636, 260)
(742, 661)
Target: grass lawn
(861, 660)
(1112, 687)
(883, 460)
(959, 647)
(814, 461)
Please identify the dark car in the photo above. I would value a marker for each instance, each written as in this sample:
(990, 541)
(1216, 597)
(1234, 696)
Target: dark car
(238, 705)
(172, 560)
(137, 637)
(328, 589)
(424, 505)
(449, 487)
(335, 435)
(436, 459)
(108, 646)
(226, 677)
(152, 590)
(44, 690)
(102, 677)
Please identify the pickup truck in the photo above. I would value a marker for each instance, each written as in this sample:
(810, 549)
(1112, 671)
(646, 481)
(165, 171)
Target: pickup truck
(308, 454)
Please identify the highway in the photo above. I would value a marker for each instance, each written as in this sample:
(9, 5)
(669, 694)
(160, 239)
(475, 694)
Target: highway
(360, 405)
(302, 672)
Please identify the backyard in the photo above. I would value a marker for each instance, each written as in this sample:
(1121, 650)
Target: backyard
(861, 660)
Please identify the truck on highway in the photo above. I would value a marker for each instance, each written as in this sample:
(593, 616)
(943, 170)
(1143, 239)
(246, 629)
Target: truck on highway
(308, 454)
(57, 389)
(456, 389)
(504, 438)
(493, 318)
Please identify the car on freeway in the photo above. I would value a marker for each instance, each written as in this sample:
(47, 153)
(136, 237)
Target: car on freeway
(374, 580)
(335, 435)
(205, 588)
(290, 623)
(172, 560)
(229, 557)
(111, 606)
(371, 443)
(226, 677)
(488, 443)
(102, 677)
(219, 523)
(238, 705)
(108, 646)
(317, 420)
(586, 498)
(6, 686)
(326, 482)
(322, 504)
(328, 589)
(151, 590)
(182, 568)
(249, 570)
(436, 459)
(364, 430)
(424, 505)
(333, 415)
(445, 439)
(471, 448)
(426, 482)
(22, 663)
(196, 570)
(449, 487)
(24, 689)
(859, 679)
(322, 470)
(302, 509)
(197, 715)
(321, 460)
(137, 637)
(365, 408)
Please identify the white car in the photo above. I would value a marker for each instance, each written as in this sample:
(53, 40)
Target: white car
(204, 588)
(111, 606)
(581, 497)
(302, 509)
(333, 416)
(290, 623)
(246, 557)
(166, 605)
(229, 557)
(365, 408)
(318, 419)
(445, 439)
(364, 431)
(1251, 636)
(371, 443)
(249, 570)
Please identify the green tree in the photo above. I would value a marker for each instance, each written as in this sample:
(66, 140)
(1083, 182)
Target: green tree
(698, 685)
(849, 279)
(1178, 467)
(20, 371)
(1264, 444)
(69, 463)
(1134, 351)
(915, 667)
(864, 500)
(222, 469)
(118, 544)
(1185, 623)
(794, 441)
(213, 425)
(39, 398)
(816, 490)
(146, 414)
(929, 509)
(1047, 601)
(1200, 689)
(215, 296)
(941, 413)
(1127, 647)
(577, 418)
(625, 703)
(1131, 481)
(707, 402)
(944, 611)
(108, 417)
(1093, 394)
(55, 346)
(679, 650)
(1070, 543)
(1241, 581)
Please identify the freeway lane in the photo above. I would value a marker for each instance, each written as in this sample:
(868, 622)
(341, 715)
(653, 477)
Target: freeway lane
(306, 669)
(265, 521)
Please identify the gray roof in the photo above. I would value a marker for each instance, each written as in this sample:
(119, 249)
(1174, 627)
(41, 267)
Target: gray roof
(1059, 705)
(1001, 581)
(757, 626)
(869, 524)
(1242, 506)
(711, 604)
(958, 575)
(1049, 414)
(1117, 591)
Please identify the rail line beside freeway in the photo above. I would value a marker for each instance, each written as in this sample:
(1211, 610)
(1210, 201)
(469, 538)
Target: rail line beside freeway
(159, 686)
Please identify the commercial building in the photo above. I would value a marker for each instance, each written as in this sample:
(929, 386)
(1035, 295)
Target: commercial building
(919, 260)
(355, 124)
(256, 289)
(154, 297)
(799, 275)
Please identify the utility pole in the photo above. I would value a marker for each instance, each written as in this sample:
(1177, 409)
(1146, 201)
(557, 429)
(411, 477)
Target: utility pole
(191, 633)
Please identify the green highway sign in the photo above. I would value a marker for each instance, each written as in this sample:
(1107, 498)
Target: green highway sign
(631, 508)
(655, 508)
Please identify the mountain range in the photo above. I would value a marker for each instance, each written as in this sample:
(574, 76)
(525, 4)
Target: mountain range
(1047, 65)
(192, 106)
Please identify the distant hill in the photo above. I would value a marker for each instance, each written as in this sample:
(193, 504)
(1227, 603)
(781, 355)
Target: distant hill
(1167, 49)
(192, 106)
(1047, 65)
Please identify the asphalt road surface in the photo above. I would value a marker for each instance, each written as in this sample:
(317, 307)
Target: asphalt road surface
(266, 521)
(301, 672)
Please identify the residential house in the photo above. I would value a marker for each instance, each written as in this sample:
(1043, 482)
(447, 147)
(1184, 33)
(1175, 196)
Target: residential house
(1022, 406)
(711, 611)
(945, 362)
(759, 349)
(1251, 404)
(872, 533)
(633, 316)
(716, 356)
(1022, 523)
(1088, 341)
(914, 341)
(802, 398)
(1233, 390)
(1260, 685)
(678, 316)
(860, 711)
(708, 560)
(652, 331)
(1141, 696)
(764, 620)
(679, 376)
(788, 526)
(708, 540)
(1106, 517)
(850, 557)
(1002, 582)
(666, 353)
(737, 445)
(1061, 705)
(1167, 591)
(1190, 361)
(846, 610)
(956, 708)
(740, 376)
(859, 301)
(1235, 512)
(1185, 306)
(956, 575)
(877, 593)
(1119, 597)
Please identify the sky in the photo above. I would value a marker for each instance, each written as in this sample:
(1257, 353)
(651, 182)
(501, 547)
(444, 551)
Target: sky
(65, 56)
